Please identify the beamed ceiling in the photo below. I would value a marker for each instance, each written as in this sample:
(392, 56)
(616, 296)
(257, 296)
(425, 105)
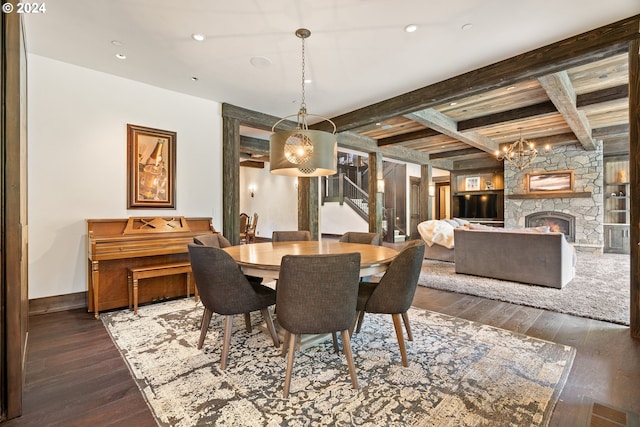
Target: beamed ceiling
(459, 123)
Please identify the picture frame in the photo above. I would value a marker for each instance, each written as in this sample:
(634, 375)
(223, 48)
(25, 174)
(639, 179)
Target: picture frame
(550, 182)
(151, 168)
(472, 183)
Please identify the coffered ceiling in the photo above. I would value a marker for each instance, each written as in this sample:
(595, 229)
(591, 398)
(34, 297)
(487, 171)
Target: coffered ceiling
(363, 64)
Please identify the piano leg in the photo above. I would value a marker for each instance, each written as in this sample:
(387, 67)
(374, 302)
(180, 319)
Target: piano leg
(95, 278)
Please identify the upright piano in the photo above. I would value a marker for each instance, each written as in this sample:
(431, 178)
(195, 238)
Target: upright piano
(114, 245)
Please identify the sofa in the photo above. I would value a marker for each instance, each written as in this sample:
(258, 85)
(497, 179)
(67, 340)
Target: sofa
(530, 256)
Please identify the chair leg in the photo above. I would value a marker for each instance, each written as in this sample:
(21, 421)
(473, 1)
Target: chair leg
(247, 321)
(334, 336)
(398, 327)
(272, 329)
(206, 319)
(407, 326)
(228, 325)
(360, 320)
(285, 343)
(292, 351)
(346, 345)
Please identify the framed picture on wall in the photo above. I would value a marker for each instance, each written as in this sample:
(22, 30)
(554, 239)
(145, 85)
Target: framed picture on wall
(544, 182)
(151, 168)
(472, 183)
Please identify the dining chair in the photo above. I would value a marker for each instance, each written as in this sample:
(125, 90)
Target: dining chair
(244, 225)
(290, 236)
(360, 237)
(251, 230)
(394, 292)
(317, 294)
(217, 240)
(223, 289)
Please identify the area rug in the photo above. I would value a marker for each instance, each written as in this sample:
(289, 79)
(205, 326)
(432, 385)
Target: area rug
(461, 373)
(600, 289)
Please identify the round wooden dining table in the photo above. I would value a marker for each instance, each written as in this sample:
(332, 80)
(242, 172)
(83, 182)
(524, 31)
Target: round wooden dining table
(264, 258)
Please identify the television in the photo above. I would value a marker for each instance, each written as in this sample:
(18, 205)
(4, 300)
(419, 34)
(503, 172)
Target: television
(476, 206)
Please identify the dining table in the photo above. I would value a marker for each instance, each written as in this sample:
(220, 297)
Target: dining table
(263, 259)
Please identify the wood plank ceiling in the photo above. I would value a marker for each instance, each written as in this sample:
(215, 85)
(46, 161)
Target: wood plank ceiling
(585, 103)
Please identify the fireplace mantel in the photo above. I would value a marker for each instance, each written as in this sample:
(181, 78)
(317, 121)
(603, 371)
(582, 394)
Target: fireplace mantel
(551, 195)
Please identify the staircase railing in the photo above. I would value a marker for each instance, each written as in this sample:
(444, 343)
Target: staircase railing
(339, 188)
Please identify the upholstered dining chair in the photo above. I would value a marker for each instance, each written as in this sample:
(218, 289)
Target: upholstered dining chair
(290, 236)
(225, 290)
(217, 240)
(317, 294)
(394, 292)
(360, 237)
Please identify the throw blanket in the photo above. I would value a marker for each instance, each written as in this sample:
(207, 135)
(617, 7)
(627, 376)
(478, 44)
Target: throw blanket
(436, 232)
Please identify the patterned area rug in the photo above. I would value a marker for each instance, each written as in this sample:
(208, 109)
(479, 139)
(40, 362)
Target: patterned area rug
(461, 373)
(599, 291)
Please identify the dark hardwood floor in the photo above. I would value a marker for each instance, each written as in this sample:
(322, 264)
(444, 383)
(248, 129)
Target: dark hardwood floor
(76, 377)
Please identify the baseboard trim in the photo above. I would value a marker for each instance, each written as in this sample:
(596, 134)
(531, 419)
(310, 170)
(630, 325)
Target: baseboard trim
(58, 303)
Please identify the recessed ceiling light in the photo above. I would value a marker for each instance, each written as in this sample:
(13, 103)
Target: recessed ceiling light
(121, 56)
(116, 42)
(194, 79)
(466, 27)
(378, 124)
(453, 103)
(511, 88)
(411, 28)
(198, 37)
(308, 81)
(260, 62)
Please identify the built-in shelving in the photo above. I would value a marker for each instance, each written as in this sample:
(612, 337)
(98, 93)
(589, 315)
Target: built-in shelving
(617, 203)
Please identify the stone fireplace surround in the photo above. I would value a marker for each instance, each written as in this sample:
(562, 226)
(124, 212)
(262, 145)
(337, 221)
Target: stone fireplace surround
(587, 209)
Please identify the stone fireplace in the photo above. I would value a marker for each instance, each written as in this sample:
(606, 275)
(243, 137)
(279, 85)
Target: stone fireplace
(579, 212)
(556, 221)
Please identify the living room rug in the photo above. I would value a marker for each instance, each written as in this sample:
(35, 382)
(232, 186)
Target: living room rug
(600, 289)
(461, 373)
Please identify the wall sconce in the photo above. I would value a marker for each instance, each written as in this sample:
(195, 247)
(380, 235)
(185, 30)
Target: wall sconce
(252, 189)
(381, 186)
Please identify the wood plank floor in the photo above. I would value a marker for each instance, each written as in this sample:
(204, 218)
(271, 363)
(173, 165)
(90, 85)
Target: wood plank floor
(76, 377)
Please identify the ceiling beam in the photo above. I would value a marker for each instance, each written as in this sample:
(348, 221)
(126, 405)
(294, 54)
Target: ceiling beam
(530, 111)
(253, 145)
(455, 153)
(252, 164)
(443, 124)
(365, 144)
(560, 90)
(602, 95)
(600, 43)
(609, 131)
(411, 136)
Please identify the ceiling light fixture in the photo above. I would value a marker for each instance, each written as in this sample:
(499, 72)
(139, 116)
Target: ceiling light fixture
(466, 27)
(198, 37)
(411, 28)
(121, 56)
(303, 151)
(521, 153)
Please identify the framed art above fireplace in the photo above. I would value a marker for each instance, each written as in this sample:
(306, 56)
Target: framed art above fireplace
(547, 182)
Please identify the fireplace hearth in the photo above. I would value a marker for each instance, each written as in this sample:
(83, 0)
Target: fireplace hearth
(556, 221)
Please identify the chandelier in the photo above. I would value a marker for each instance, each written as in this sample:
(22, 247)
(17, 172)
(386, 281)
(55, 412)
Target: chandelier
(303, 151)
(521, 153)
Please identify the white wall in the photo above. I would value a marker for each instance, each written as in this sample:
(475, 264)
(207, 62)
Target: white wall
(77, 153)
(275, 200)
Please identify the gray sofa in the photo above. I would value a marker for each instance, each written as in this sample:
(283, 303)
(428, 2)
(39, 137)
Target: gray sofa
(545, 259)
